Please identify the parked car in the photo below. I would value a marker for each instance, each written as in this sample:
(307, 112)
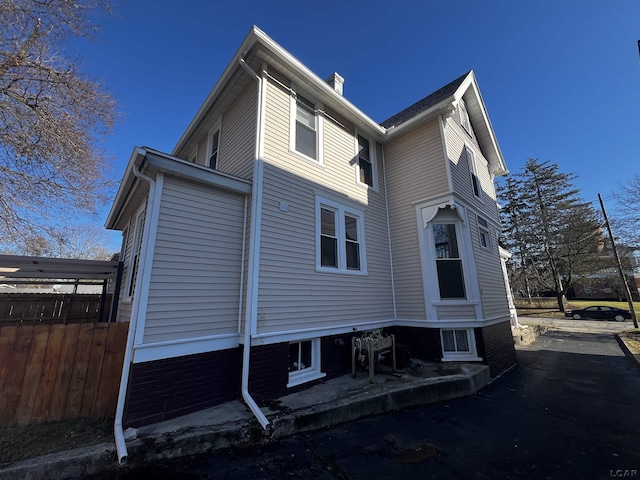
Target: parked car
(599, 312)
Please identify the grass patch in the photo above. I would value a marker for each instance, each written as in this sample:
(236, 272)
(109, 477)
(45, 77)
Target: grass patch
(548, 307)
(25, 441)
(632, 340)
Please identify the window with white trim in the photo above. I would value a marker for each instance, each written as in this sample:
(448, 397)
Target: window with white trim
(464, 116)
(448, 261)
(339, 238)
(456, 341)
(483, 233)
(134, 256)
(304, 361)
(305, 131)
(366, 162)
(473, 170)
(213, 147)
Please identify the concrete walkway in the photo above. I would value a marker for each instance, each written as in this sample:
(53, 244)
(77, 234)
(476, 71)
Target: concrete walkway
(231, 424)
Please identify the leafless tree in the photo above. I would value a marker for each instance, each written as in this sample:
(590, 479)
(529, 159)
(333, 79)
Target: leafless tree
(626, 218)
(83, 241)
(52, 118)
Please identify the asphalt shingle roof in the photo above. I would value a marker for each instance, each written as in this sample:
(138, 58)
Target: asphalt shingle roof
(424, 104)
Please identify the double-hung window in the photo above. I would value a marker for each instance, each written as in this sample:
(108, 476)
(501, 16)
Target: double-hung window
(366, 162)
(473, 171)
(448, 261)
(213, 148)
(306, 128)
(340, 238)
(483, 233)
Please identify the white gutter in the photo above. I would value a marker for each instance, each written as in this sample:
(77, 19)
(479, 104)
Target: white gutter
(121, 446)
(254, 247)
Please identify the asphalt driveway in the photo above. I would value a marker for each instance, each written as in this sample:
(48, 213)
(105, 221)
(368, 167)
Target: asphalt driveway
(569, 410)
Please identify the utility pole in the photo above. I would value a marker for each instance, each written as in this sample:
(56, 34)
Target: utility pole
(623, 278)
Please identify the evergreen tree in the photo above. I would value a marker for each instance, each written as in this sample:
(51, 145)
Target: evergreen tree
(554, 234)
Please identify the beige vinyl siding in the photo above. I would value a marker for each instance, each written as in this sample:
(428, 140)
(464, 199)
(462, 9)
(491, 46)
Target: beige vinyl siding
(457, 118)
(292, 294)
(416, 170)
(461, 173)
(456, 312)
(195, 281)
(238, 135)
(490, 278)
(202, 150)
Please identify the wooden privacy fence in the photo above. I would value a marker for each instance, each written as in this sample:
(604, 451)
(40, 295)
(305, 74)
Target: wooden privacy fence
(59, 372)
(33, 308)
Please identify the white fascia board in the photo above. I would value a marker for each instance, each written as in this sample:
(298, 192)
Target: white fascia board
(442, 107)
(128, 179)
(247, 43)
(254, 36)
(199, 173)
(159, 161)
(311, 79)
(496, 161)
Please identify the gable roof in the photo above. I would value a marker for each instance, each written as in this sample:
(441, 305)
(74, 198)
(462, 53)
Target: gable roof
(444, 100)
(426, 103)
(258, 47)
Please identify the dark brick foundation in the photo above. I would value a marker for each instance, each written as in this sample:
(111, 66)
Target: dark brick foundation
(495, 346)
(422, 343)
(168, 388)
(269, 370)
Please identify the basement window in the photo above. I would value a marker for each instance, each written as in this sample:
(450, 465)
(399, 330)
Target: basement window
(458, 344)
(304, 361)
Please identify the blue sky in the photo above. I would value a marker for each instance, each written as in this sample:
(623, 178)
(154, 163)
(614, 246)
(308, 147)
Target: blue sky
(560, 78)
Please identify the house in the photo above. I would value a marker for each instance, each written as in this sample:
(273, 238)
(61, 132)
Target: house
(604, 283)
(285, 221)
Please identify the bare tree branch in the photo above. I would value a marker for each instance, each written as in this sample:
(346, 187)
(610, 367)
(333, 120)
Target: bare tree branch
(52, 118)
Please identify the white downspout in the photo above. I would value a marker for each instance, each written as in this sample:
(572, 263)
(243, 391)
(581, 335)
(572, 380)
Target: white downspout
(386, 207)
(121, 446)
(254, 249)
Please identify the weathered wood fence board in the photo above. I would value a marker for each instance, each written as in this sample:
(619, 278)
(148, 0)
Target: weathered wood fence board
(57, 372)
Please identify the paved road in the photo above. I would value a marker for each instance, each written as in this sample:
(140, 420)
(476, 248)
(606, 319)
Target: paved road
(570, 410)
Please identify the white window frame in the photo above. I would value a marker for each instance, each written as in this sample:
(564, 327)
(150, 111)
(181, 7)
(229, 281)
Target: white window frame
(311, 372)
(319, 128)
(428, 213)
(465, 121)
(134, 256)
(484, 232)
(470, 354)
(340, 234)
(372, 160)
(459, 258)
(476, 184)
(210, 146)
